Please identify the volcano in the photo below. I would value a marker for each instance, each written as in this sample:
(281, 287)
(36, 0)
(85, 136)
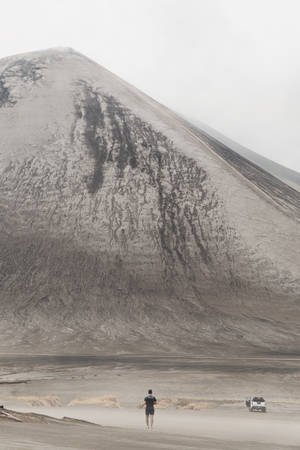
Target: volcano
(124, 228)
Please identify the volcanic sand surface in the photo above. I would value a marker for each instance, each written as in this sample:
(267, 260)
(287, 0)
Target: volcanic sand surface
(217, 386)
(84, 437)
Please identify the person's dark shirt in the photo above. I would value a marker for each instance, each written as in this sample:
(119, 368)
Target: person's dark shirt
(150, 401)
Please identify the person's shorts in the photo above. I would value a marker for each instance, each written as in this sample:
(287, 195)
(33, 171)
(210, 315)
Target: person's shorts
(149, 411)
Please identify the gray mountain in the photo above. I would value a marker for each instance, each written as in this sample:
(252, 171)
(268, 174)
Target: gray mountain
(123, 229)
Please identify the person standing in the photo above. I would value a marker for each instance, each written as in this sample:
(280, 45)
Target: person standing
(150, 401)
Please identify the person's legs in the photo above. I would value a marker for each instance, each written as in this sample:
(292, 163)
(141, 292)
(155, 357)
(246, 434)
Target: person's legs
(151, 420)
(147, 420)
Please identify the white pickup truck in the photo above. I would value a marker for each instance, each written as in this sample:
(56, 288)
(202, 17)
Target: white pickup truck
(256, 404)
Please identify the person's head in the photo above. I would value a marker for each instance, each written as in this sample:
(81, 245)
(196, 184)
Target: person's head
(149, 391)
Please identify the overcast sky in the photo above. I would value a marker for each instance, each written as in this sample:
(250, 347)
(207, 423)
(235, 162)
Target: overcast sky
(232, 64)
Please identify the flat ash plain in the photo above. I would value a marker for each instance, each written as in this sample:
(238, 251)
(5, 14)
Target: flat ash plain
(201, 401)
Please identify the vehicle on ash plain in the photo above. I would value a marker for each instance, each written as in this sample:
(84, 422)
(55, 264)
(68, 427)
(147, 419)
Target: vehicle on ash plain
(256, 404)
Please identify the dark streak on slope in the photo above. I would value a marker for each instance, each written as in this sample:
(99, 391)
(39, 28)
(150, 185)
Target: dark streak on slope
(121, 133)
(176, 216)
(5, 97)
(27, 71)
(96, 143)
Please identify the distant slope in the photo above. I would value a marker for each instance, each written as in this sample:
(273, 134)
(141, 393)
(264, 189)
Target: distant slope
(285, 174)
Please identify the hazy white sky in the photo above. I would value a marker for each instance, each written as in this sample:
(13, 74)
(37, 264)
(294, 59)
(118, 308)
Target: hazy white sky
(232, 64)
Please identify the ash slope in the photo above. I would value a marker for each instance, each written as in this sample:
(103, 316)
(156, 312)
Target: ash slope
(120, 227)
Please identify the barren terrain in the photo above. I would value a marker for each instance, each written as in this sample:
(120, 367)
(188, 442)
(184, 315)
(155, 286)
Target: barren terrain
(201, 402)
(137, 252)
